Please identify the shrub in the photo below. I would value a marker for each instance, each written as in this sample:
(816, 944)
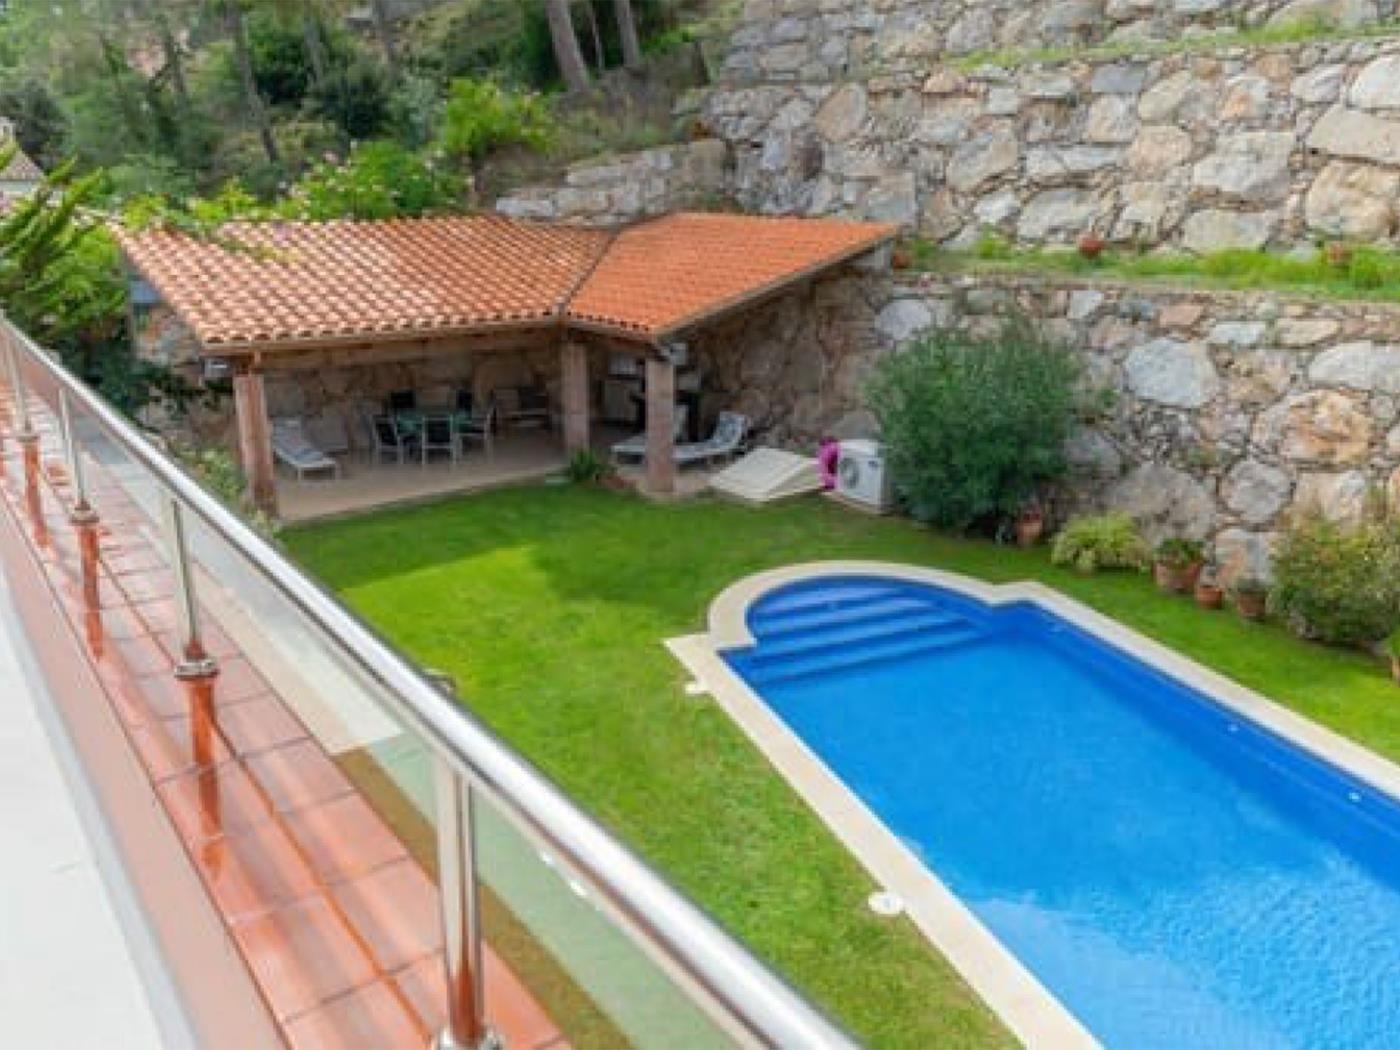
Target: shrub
(1339, 583)
(586, 466)
(1108, 541)
(975, 424)
(1392, 644)
(1179, 553)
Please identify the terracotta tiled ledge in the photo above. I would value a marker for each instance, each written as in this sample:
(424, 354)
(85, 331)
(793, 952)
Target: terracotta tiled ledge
(333, 919)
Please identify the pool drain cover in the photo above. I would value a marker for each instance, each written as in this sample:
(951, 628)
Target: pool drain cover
(883, 902)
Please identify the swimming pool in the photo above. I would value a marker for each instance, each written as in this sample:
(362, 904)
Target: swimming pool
(1172, 872)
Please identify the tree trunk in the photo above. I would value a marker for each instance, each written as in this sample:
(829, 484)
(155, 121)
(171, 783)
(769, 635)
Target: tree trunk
(170, 48)
(385, 32)
(257, 109)
(314, 43)
(627, 30)
(567, 54)
(599, 58)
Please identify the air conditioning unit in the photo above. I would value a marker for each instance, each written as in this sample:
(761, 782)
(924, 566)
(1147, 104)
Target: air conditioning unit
(862, 478)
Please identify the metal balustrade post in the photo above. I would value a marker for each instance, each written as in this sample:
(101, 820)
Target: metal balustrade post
(465, 1027)
(24, 426)
(195, 661)
(81, 512)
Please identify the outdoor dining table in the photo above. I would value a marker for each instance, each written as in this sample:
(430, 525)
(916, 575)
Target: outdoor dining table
(411, 421)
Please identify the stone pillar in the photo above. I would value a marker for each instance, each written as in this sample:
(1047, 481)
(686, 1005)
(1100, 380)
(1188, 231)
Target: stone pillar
(573, 366)
(661, 427)
(255, 438)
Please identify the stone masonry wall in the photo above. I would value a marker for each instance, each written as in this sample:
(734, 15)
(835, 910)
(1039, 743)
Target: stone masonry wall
(1225, 411)
(1266, 147)
(827, 40)
(623, 188)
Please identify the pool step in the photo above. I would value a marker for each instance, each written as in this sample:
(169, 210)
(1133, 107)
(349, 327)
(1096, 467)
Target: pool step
(928, 622)
(766, 627)
(845, 657)
(834, 596)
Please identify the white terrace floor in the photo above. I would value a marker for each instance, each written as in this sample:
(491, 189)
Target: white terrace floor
(517, 456)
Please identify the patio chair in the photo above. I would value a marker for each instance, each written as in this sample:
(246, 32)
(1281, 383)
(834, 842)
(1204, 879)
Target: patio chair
(388, 439)
(291, 446)
(523, 406)
(728, 440)
(480, 428)
(463, 402)
(439, 435)
(635, 447)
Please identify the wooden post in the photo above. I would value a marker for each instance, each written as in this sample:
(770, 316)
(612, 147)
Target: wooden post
(574, 393)
(255, 438)
(661, 427)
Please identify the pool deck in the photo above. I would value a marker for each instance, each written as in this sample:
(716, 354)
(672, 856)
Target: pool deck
(1026, 1006)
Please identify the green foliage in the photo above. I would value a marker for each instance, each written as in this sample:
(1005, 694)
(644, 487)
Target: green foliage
(1339, 583)
(1107, 541)
(586, 466)
(40, 123)
(1360, 271)
(1179, 552)
(482, 115)
(974, 424)
(380, 180)
(355, 96)
(60, 278)
(1392, 644)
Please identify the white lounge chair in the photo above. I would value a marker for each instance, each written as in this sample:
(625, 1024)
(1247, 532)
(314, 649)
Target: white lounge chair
(291, 446)
(635, 447)
(731, 434)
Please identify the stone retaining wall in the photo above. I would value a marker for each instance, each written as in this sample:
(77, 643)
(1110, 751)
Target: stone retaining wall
(825, 40)
(1269, 147)
(1224, 412)
(630, 186)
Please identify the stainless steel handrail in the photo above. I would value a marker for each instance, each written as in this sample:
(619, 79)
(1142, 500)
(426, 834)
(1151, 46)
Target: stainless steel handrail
(745, 992)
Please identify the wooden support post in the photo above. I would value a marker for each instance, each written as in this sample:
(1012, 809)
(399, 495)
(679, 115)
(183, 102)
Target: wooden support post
(661, 427)
(574, 393)
(255, 439)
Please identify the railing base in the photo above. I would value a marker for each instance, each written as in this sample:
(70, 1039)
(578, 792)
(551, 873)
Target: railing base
(491, 1040)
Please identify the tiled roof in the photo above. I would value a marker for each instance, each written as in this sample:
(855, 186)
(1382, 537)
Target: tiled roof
(285, 282)
(21, 169)
(279, 284)
(671, 272)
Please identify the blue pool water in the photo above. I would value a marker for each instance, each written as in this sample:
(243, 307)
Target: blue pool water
(1176, 876)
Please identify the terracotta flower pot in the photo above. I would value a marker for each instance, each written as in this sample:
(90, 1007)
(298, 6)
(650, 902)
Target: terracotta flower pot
(1179, 579)
(901, 258)
(1091, 246)
(1029, 528)
(1250, 605)
(1209, 595)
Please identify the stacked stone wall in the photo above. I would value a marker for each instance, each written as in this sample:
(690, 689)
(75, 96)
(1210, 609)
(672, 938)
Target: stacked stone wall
(618, 189)
(1272, 147)
(830, 40)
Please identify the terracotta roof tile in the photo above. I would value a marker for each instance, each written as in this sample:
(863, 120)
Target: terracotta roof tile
(279, 284)
(21, 168)
(674, 271)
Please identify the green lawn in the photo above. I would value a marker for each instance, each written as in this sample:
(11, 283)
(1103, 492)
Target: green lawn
(549, 605)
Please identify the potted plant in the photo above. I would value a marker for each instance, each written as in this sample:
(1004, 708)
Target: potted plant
(1338, 254)
(902, 258)
(1392, 648)
(1030, 524)
(1209, 594)
(1178, 564)
(1251, 594)
(1091, 245)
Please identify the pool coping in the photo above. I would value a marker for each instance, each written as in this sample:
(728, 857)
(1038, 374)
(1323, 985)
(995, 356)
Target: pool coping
(1024, 1004)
